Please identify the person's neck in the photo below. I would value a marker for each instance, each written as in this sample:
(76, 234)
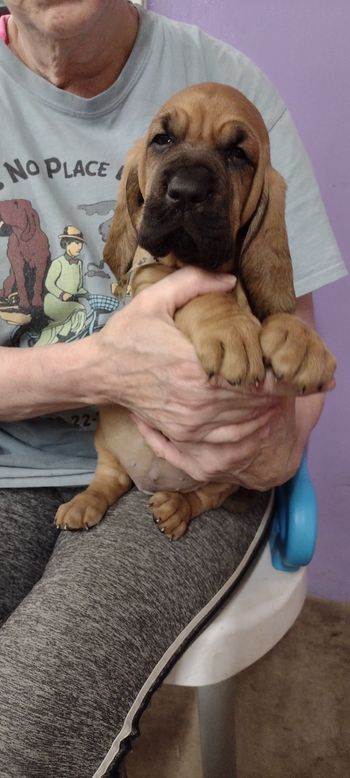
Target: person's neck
(86, 64)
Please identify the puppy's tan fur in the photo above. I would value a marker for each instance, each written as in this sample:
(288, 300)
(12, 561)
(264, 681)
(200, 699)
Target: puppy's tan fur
(233, 221)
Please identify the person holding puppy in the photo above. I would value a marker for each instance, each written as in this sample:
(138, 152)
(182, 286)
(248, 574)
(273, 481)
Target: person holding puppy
(87, 616)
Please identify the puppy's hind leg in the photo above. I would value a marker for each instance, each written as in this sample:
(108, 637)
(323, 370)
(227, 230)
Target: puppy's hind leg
(87, 509)
(173, 511)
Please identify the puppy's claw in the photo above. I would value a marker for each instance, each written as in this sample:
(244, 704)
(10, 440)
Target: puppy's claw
(173, 511)
(82, 512)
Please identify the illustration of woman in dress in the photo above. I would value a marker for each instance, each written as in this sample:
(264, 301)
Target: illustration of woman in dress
(64, 285)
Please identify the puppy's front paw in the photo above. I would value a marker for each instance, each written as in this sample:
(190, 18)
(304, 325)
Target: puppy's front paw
(296, 353)
(232, 350)
(172, 513)
(85, 510)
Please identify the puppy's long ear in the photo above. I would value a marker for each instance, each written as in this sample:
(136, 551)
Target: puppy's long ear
(265, 265)
(121, 241)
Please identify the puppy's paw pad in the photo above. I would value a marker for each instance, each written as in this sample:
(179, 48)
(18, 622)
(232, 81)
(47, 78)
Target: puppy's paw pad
(234, 352)
(172, 513)
(82, 512)
(296, 354)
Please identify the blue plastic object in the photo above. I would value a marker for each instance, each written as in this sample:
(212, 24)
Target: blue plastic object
(294, 526)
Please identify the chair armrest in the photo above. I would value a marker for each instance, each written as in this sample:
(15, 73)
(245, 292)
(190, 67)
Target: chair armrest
(294, 525)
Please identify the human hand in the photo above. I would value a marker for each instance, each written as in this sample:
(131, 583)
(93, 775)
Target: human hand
(148, 366)
(257, 452)
(260, 459)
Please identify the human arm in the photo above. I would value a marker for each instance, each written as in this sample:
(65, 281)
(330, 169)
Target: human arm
(139, 359)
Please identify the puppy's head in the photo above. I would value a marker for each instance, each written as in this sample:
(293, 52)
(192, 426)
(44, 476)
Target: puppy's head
(200, 187)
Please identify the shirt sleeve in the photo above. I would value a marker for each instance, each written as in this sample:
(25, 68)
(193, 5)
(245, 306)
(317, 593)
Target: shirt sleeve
(314, 251)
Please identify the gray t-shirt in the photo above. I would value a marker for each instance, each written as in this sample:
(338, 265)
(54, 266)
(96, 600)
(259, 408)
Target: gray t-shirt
(61, 158)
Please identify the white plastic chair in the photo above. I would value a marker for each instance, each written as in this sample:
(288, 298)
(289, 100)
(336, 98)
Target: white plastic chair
(257, 615)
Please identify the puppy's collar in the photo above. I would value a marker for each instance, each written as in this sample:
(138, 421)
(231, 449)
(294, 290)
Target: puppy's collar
(141, 262)
(123, 289)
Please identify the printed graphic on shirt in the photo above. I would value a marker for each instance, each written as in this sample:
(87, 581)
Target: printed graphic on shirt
(101, 209)
(45, 300)
(28, 254)
(67, 315)
(52, 169)
(65, 312)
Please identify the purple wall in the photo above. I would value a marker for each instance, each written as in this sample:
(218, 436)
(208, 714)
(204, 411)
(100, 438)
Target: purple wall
(304, 48)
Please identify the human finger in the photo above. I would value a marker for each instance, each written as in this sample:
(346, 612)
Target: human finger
(234, 433)
(202, 461)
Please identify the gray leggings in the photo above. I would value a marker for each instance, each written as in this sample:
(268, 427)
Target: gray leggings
(86, 619)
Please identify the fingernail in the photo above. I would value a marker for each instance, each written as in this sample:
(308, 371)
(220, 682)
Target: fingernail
(226, 279)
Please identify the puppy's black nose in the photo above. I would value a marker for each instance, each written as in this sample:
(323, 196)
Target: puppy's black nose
(189, 187)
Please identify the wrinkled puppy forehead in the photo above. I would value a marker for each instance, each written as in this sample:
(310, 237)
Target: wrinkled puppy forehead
(209, 113)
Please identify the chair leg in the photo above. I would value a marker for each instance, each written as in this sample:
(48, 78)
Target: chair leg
(217, 732)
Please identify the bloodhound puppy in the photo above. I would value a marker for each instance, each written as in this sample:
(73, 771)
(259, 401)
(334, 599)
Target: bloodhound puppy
(199, 189)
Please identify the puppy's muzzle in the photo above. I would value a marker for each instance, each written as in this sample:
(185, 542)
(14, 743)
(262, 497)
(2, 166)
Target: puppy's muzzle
(189, 187)
(187, 214)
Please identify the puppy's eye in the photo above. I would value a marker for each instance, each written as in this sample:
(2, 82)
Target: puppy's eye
(162, 139)
(236, 154)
